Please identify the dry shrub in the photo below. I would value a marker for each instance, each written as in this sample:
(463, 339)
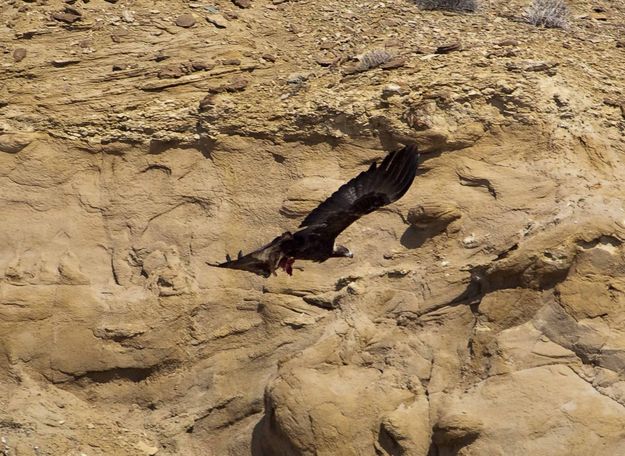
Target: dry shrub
(374, 59)
(548, 13)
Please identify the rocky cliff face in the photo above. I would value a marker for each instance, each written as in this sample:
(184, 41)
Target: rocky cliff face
(482, 314)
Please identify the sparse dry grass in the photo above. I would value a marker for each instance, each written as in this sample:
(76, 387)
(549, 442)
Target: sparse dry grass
(548, 13)
(375, 58)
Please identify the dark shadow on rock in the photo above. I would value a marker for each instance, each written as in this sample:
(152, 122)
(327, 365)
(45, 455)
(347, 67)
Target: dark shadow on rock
(415, 237)
(388, 443)
(257, 441)
(268, 439)
(205, 145)
(443, 444)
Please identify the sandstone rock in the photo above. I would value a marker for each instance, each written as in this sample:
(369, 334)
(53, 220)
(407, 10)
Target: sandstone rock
(62, 62)
(202, 66)
(68, 18)
(433, 213)
(326, 59)
(242, 3)
(233, 62)
(185, 20)
(12, 143)
(407, 430)
(269, 57)
(146, 448)
(447, 48)
(394, 63)
(19, 54)
(482, 312)
(173, 71)
(341, 412)
(217, 20)
(508, 42)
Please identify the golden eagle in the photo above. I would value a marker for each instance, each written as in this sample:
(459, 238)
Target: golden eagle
(370, 190)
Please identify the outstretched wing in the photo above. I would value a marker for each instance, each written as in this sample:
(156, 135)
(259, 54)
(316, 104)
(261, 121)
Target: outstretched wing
(370, 190)
(263, 261)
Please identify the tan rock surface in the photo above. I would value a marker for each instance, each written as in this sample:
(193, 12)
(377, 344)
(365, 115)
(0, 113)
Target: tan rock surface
(482, 314)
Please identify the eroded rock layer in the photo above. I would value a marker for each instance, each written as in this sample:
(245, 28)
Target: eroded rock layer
(482, 314)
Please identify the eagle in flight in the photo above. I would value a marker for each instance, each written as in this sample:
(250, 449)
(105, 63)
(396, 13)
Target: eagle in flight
(370, 190)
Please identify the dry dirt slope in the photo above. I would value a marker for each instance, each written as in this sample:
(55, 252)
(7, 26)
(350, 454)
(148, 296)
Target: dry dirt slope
(482, 314)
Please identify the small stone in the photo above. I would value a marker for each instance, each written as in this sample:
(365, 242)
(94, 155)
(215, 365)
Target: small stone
(119, 67)
(620, 44)
(202, 66)
(509, 42)
(217, 20)
(391, 89)
(19, 54)
(72, 10)
(127, 16)
(297, 78)
(207, 102)
(599, 16)
(242, 3)
(172, 71)
(396, 62)
(64, 62)
(470, 242)
(185, 20)
(160, 56)
(394, 89)
(613, 102)
(447, 48)
(327, 59)
(66, 17)
(269, 58)
(231, 62)
(237, 85)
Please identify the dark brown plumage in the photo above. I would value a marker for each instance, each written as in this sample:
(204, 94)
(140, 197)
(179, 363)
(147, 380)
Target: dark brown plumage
(370, 190)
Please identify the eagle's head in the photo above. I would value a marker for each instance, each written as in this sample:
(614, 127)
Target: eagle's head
(342, 251)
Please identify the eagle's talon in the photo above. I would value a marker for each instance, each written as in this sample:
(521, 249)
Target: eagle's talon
(286, 264)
